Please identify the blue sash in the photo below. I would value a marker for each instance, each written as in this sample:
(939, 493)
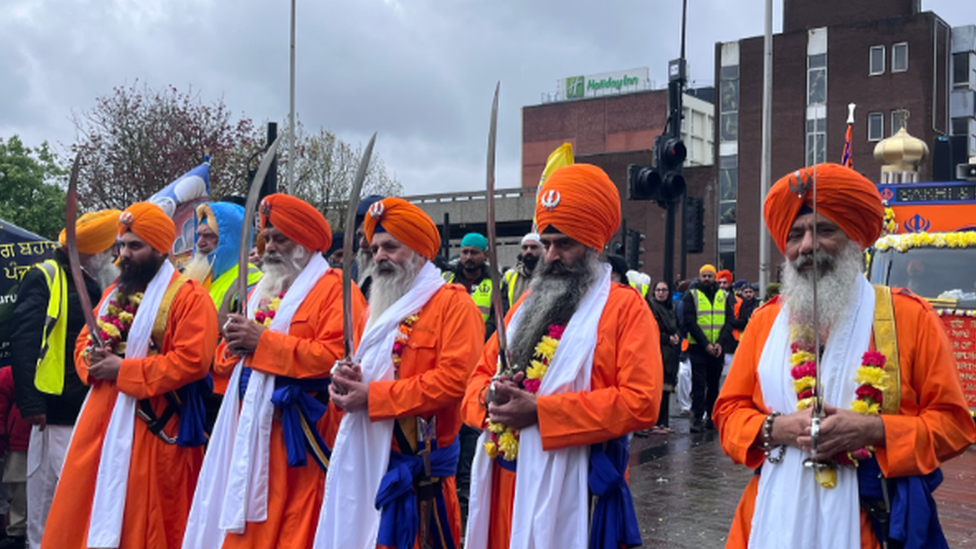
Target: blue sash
(397, 500)
(192, 431)
(914, 520)
(300, 412)
(614, 521)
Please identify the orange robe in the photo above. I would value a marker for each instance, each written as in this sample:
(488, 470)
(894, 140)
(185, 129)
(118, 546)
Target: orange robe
(161, 476)
(933, 423)
(439, 356)
(624, 396)
(308, 351)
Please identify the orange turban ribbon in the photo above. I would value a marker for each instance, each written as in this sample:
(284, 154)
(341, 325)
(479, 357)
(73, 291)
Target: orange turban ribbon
(96, 231)
(406, 223)
(298, 220)
(581, 202)
(150, 223)
(843, 196)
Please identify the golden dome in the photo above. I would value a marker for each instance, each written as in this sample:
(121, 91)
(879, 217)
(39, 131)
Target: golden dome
(901, 152)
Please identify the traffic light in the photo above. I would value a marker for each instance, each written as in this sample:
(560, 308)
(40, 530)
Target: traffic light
(634, 250)
(663, 181)
(617, 248)
(693, 218)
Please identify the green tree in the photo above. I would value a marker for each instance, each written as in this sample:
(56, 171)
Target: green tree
(32, 185)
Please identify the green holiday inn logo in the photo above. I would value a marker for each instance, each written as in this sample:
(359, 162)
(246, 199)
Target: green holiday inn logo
(611, 83)
(575, 88)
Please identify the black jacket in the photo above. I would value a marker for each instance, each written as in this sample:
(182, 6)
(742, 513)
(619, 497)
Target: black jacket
(25, 343)
(690, 316)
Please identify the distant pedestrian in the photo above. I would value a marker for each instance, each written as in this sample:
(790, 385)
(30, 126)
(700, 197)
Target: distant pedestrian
(667, 322)
(707, 312)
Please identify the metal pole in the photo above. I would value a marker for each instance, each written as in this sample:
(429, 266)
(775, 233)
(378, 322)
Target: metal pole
(669, 244)
(766, 166)
(291, 110)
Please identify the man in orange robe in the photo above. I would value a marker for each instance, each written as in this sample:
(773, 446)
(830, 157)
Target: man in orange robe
(258, 487)
(126, 482)
(402, 391)
(570, 410)
(763, 412)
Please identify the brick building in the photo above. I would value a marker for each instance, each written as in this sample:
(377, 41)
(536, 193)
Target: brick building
(886, 56)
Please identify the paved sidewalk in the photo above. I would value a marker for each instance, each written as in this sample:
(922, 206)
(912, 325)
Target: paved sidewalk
(685, 491)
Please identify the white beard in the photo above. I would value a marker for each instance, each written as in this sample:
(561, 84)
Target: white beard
(198, 268)
(390, 283)
(102, 268)
(835, 288)
(278, 275)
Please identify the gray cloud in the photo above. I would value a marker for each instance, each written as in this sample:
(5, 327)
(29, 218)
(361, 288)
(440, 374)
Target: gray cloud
(421, 72)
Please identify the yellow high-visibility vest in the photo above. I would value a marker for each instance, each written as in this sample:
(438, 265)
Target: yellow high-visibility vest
(711, 316)
(49, 375)
(481, 295)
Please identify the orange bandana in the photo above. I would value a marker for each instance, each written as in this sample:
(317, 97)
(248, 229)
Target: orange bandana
(96, 231)
(581, 202)
(150, 223)
(298, 220)
(406, 223)
(843, 196)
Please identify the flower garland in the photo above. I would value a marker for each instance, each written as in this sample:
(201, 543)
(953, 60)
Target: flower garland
(117, 320)
(267, 309)
(905, 242)
(504, 440)
(890, 226)
(403, 334)
(872, 380)
(956, 312)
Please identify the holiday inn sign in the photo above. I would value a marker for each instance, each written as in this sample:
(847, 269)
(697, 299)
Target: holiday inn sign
(608, 83)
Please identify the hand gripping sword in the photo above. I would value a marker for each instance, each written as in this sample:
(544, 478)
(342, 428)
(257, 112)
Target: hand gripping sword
(347, 253)
(74, 262)
(496, 295)
(250, 209)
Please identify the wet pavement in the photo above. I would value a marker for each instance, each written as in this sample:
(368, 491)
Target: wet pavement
(686, 489)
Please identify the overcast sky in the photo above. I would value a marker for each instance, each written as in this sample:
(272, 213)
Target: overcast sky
(420, 72)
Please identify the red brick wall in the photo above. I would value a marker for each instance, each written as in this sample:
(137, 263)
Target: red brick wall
(809, 14)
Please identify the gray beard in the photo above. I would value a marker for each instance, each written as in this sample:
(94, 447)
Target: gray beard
(198, 268)
(553, 299)
(390, 283)
(835, 289)
(277, 276)
(101, 267)
(364, 265)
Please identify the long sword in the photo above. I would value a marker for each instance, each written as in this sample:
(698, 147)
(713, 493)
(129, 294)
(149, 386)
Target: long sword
(496, 295)
(248, 224)
(347, 253)
(74, 262)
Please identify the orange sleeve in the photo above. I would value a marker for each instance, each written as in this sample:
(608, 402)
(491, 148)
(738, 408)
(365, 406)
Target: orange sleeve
(472, 412)
(442, 384)
(309, 351)
(934, 423)
(191, 336)
(627, 397)
(739, 410)
(82, 342)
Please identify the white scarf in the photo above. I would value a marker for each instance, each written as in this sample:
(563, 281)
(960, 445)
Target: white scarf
(348, 518)
(551, 507)
(233, 485)
(112, 482)
(792, 509)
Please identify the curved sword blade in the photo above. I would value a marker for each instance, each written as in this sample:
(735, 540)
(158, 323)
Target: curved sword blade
(496, 296)
(74, 262)
(248, 224)
(347, 245)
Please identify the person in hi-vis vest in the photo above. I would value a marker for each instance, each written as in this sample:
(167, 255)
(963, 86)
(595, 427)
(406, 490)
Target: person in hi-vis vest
(517, 278)
(47, 389)
(707, 315)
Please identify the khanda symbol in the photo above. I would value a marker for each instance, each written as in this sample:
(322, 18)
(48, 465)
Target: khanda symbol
(917, 224)
(887, 194)
(801, 182)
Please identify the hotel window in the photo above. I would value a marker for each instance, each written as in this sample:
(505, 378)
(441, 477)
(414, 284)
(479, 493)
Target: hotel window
(729, 104)
(728, 183)
(816, 141)
(877, 60)
(899, 57)
(816, 79)
(875, 126)
(899, 120)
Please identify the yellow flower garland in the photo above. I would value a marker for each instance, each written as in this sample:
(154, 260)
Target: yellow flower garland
(905, 242)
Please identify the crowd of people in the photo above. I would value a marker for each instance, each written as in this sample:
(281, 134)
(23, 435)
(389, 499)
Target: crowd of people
(201, 417)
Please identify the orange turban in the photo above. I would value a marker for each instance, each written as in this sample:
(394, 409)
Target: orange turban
(298, 220)
(96, 231)
(581, 202)
(150, 223)
(843, 196)
(406, 223)
(724, 274)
